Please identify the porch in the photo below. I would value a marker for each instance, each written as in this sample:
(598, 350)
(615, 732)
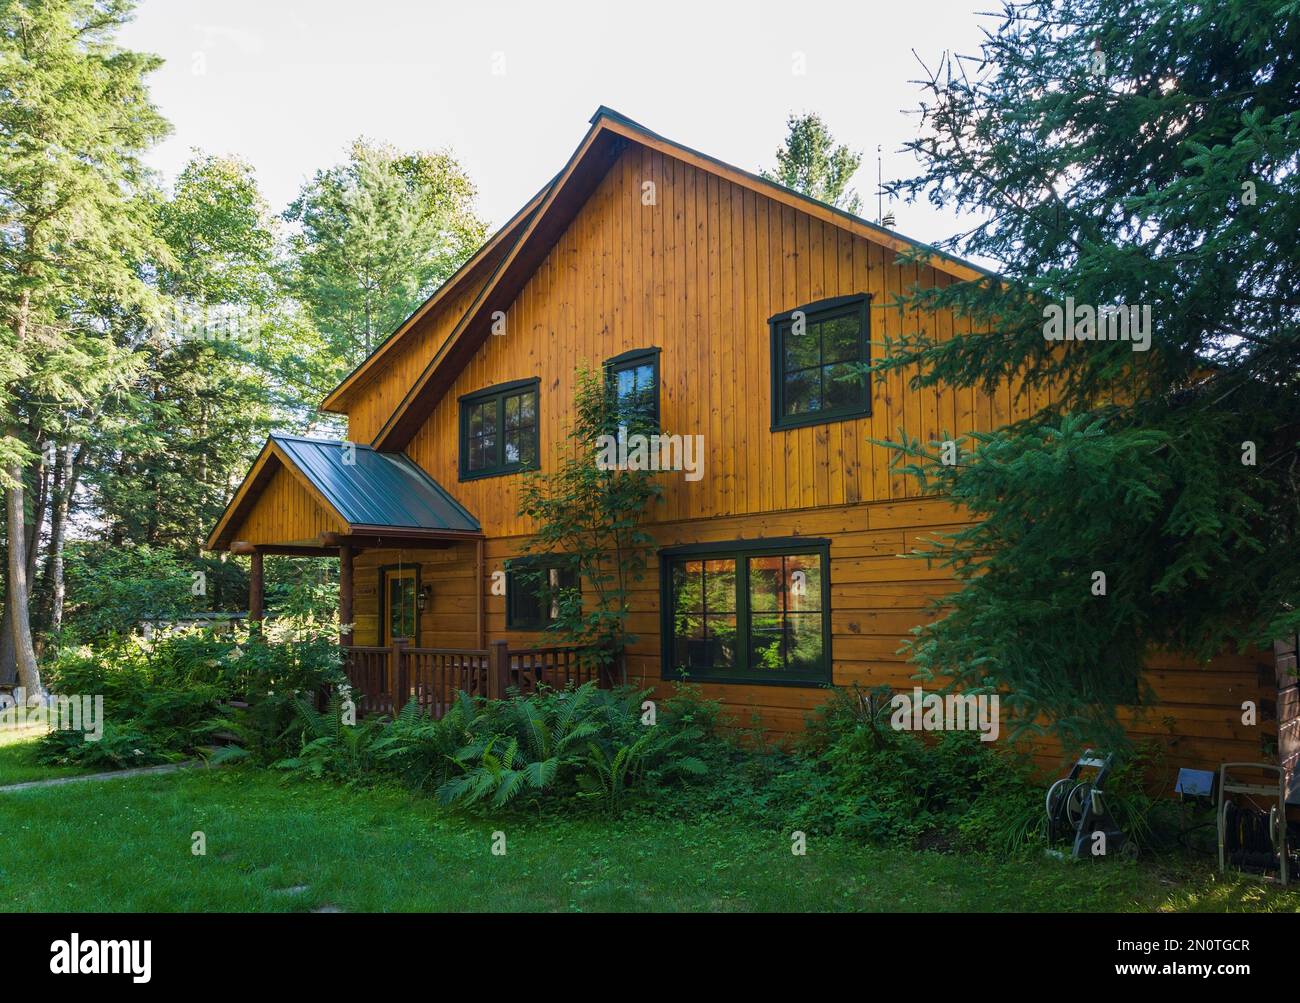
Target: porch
(384, 679)
(411, 575)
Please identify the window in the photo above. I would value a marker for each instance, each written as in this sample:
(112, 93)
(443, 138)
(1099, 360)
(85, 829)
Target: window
(535, 587)
(751, 612)
(818, 353)
(633, 380)
(498, 430)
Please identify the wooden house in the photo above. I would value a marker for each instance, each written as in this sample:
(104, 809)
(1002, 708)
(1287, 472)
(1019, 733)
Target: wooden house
(681, 275)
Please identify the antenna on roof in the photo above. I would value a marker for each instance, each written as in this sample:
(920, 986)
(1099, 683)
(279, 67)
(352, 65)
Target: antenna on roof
(880, 189)
(881, 218)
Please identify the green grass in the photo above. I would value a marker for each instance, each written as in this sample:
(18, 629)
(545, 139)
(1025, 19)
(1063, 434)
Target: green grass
(276, 846)
(18, 762)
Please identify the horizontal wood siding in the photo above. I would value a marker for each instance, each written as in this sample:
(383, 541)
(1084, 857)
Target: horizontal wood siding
(877, 596)
(449, 621)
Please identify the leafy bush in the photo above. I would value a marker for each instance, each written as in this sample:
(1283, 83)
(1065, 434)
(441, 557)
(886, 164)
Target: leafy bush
(173, 695)
(552, 747)
(119, 747)
(894, 787)
(331, 748)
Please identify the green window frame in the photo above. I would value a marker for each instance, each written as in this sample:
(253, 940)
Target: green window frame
(817, 375)
(738, 612)
(633, 384)
(499, 429)
(532, 587)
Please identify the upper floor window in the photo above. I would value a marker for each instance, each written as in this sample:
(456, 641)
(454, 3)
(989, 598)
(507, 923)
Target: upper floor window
(633, 380)
(498, 429)
(819, 353)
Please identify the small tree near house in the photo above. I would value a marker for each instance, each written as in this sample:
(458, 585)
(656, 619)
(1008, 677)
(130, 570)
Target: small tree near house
(590, 518)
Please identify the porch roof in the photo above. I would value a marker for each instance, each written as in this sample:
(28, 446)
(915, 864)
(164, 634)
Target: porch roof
(349, 488)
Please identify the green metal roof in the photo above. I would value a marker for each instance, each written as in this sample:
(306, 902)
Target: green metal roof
(376, 489)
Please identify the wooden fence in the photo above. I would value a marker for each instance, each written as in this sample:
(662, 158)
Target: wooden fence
(386, 679)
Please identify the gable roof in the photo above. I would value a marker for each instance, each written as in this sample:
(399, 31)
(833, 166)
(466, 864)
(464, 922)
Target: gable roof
(376, 491)
(556, 207)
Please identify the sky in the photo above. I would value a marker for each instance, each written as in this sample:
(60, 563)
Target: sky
(509, 87)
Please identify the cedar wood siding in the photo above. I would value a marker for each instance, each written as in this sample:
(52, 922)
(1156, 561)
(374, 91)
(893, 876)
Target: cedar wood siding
(698, 275)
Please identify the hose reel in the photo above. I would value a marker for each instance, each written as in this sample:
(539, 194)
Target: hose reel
(1078, 809)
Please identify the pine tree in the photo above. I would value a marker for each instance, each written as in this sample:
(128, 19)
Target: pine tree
(811, 163)
(74, 118)
(378, 234)
(1140, 153)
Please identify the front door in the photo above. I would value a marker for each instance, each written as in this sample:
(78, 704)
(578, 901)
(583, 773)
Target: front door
(401, 612)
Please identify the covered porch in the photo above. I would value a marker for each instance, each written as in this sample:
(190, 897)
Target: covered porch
(412, 582)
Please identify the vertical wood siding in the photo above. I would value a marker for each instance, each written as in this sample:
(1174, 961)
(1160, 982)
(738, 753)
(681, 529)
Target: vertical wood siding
(697, 275)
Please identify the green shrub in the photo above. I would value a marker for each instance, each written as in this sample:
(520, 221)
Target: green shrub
(119, 747)
(554, 747)
(949, 791)
(172, 696)
(330, 748)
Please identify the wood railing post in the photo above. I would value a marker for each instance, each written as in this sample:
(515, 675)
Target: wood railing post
(397, 673)
(498, 669)
(345, 595)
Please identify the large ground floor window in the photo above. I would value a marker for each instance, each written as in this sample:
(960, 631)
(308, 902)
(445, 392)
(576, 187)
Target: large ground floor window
(748, 611)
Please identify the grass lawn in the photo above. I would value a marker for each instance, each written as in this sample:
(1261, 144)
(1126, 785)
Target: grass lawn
(18, 758)
(271, 845)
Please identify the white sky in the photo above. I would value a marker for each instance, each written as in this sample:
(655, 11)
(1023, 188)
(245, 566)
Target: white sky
(287, 84)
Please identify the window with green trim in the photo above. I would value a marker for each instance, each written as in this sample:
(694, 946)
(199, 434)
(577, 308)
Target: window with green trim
(535, 588)
(748, 612)
(498, 430)
(819, 354)
(633, 381)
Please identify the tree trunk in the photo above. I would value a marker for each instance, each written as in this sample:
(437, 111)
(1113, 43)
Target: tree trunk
(17, 599)
(8, 660)
(40, 497)
(52, 585)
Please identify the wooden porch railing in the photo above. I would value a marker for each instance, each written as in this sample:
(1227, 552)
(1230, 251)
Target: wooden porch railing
(386, 679)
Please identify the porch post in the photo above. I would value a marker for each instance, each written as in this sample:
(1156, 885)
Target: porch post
(345, 595)
(255, 593)
(479, 624)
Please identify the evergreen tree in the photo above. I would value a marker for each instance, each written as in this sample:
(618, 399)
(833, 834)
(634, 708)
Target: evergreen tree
(1135, 153)
(810, 162)
(74, 119)
(378, 234)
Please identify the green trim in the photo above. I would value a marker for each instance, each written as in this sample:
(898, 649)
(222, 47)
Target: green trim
(740, 551)
(534, 561)
(634, 359)
(384, 605)
(499, 393)
(839, 306)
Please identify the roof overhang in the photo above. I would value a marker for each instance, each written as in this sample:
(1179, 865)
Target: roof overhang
(370, 499)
